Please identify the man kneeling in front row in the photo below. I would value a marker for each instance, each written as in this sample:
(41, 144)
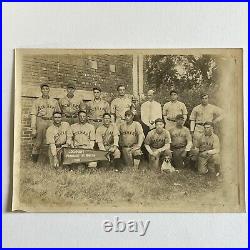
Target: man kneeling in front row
(181, 142)
(131, 139)
(206, 151)
(107, 138)
(157, 144)
(57, 136)
(83, 135)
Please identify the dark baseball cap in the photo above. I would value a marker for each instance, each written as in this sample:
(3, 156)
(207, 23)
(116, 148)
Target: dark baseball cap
(159, 120)
(71, 85)
(44, 84)
(173, 91)
(97, 88)
(208, 123)
(203, 94)
(178, 117)
(44, 81)
(129, 112)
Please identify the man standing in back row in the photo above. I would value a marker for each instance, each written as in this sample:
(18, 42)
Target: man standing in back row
(70, 105)
(150, 111)
(96, 108)
(172, 109)
(41, 118)
(202, 113)
(120, 105)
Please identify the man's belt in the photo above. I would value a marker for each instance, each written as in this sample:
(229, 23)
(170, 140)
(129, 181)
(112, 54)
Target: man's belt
(45, 118)
(59, 145)
(95, 120)
(172, 120)
(70, 116)
(177, 147)
(120, 118)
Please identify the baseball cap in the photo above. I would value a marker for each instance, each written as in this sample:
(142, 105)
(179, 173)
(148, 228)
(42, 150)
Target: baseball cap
(151, 91)
(173, 91)
(159, 120)
(178, 117)
(44, 81)
(208, 123)
(203, 94)
(97, 88)
(129, 112)
(71, 85)
(44, 84)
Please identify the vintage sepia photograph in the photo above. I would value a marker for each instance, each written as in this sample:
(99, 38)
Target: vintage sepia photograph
(130, 130)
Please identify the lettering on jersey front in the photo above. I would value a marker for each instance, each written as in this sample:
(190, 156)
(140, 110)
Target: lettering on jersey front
(74, 105)
(81, 133)
(129, 133)
(206, 144)
(48, 106)
(176, 134)
(59, 134)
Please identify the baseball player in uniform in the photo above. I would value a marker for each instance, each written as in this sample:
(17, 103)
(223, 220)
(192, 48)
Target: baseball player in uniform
(41, 118)
(157, 143)
(172, 109)
(181, 142)
(119, 105)
(107, 138)
(83, 134)
(202, 113)
(206, 150)
(131, 139)
(70, 105)
(96, 108)
(57, 136)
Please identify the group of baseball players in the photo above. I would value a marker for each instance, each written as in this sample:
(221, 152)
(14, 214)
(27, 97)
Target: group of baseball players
(127, 130)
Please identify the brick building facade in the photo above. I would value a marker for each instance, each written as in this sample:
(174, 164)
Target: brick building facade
(106, 71)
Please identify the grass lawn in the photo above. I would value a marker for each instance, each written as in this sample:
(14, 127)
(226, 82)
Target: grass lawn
(94, 190)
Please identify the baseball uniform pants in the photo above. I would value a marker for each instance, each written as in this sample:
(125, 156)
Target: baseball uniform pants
(59, 156)
(169, 125)
(116, 154)
(208, 163)
(178, 160)
(41, 127)
(128, 155)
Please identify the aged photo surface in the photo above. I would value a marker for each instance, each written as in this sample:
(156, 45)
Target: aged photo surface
(150, 130)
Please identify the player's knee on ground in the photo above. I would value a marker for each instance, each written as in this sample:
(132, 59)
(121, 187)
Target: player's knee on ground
(117, 154)
(213, 163)
(137, 154)
(215, 159)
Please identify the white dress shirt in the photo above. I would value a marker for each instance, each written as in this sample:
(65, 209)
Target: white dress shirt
(150, 111)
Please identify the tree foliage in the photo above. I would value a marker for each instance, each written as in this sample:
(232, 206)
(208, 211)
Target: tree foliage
(188, 74)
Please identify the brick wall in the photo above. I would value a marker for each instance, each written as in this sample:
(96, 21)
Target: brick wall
(86, 71)
(60, 69)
